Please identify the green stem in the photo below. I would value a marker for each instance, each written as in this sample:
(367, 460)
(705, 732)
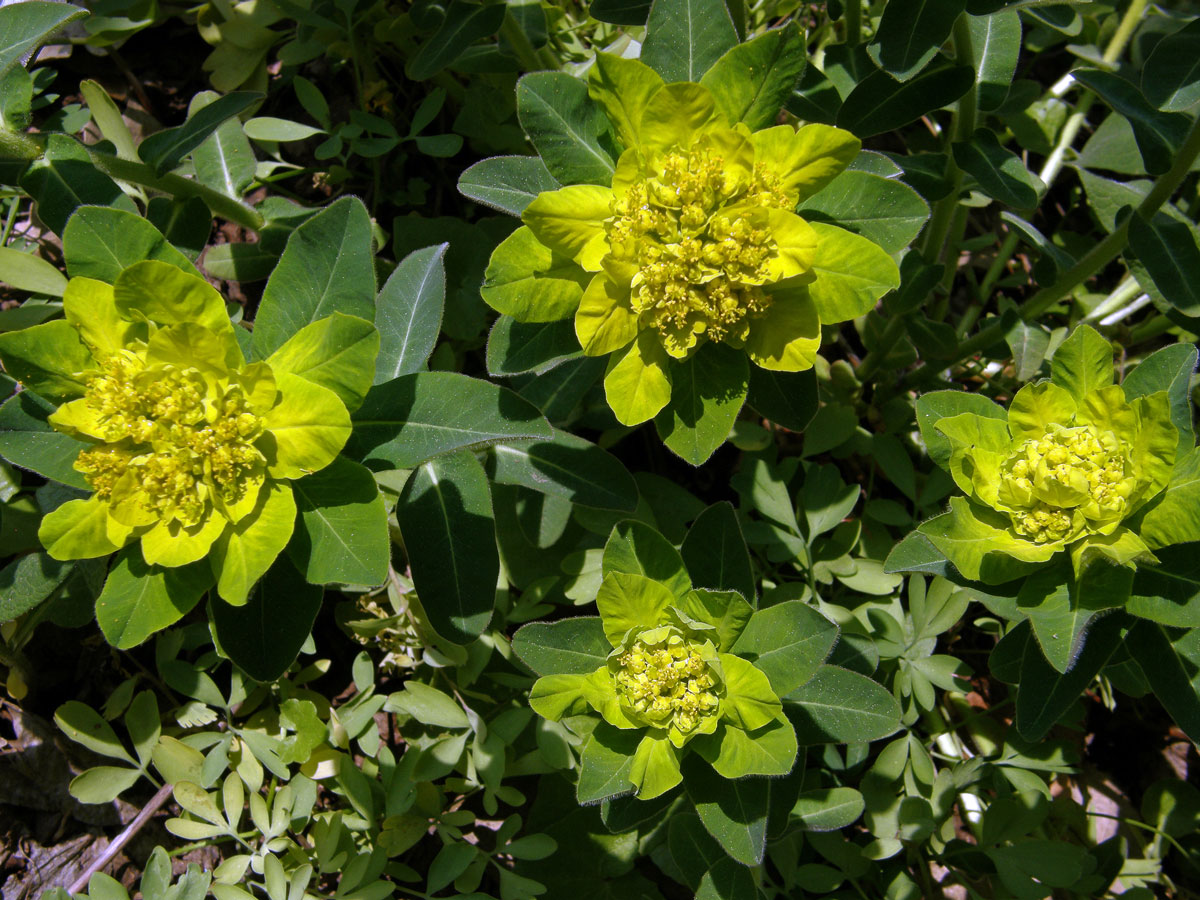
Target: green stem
(9, 221)
(1092, 262)
(852, 19)
(139, 173)
(996, 269)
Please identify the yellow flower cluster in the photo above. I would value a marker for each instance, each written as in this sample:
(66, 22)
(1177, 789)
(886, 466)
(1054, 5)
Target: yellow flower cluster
(1065, 469)
(174, 440)
(667, 680)
(698, 241)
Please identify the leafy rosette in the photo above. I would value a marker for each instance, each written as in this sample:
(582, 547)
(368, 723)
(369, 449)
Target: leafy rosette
(693, 242)
(664, 676)
(1068, 467)
(188, 448)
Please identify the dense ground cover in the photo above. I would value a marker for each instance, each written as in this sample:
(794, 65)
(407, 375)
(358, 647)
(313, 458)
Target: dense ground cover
(627, 449)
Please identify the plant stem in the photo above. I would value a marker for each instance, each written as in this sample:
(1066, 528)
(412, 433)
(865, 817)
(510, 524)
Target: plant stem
(121, 839)
(1092, 262)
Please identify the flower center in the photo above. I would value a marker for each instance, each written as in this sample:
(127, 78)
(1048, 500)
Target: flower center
(1064, 470)
(173, 438)
(665, 680)
(700, 261)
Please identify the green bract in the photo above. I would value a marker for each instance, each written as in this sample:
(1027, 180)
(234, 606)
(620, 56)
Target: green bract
(189, 448)
(695, 242)
(670, 680)
(1068, 467)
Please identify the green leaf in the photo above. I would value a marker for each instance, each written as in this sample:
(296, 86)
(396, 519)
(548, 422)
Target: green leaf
(1171, 76)
(566, 466)
(506, 183)
(826, 500)
(751, 81)
(879, 103)
(1000, 173)
(450, 540)
(342, 533)
(139, 600)
(463, 25)
(102, 784)
(1061, 608)
(996, 46)
(654, 769)
(28, 581)
(1175, 518)
(247, 549)
(944, 404)
(916, 553)
(1028, 344)
(839, 706)
(49, 359)
(627, 601)
(166, 149)
(64, 179)
(1082, 363)
(527, 280)
(1168, 666)
(980, 544)
(749, 702)
(733, 812)
(911, 32)
(264, 637)
(715, 552)
(883, 210)
(788, 399)
(427, 705)
(84, 725)
(852, 274)
(1029, 868)
(516, 348)
(788, 642)
(413, 418)
(25, 26)
(637, 549)
(326, 267)
(684, 38)
(620, 12)
(828, 809)
(564, 127)
(734, 753)
(707, 391)
(101, 242)
(408, 313)
(1170, 253)
(1168, 592)
(726, 611)
(566, 647)
(29, 272)
(1169, 369)
(606, 762)
(1045, 694)
(224, 160)
(623, 88)
(337, 352)
(1159, 135)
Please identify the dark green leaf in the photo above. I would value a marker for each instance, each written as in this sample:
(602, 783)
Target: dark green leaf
(450, 538)
(1159, 134)
(685, 37)
(715, 552)
(224, 161)
(1171, 76)
(408, 313)
(751, 81)
(692, 847)
(29, 581)
(28, 441)
(606, 762)
(788, 399)
(707, 391)
(1045, 695)
(342, 532)
(789, 642)
(139, 600)
(880, 103)
(916, 553)
(1168, 592)
(839, 706)
(996, 46)
(1061, 609)
(264, 637)
(463, 25)
(734, 812)
(566, 466)
(565, 127)
(911, 32)
(1169, 672)
(326, 267)
(636, 548)
(166, 149)
(1000, 173)
(415, 417)
(828, 809)
(24, 26)
(566, 647)
(507, 183)
(1171, 254)
(885, 210)
(64, 179)
(514, 348)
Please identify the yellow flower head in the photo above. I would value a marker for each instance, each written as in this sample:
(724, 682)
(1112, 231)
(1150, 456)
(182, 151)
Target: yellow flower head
(666, 679)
